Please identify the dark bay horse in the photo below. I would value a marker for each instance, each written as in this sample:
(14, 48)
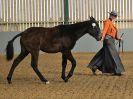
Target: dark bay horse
(61, 38)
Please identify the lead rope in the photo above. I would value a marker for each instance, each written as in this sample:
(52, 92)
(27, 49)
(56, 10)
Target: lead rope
(120, 44)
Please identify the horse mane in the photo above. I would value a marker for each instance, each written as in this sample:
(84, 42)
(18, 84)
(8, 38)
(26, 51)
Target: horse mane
(74, 26)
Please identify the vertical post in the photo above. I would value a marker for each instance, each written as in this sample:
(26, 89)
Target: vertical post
(0, 15)
(66, 12)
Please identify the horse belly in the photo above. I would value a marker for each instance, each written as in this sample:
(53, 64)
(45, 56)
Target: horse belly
(52, 48)
(58, 45)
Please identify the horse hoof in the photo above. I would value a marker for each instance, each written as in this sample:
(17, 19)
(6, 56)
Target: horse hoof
(47, 82)
(9, 80)
(63, 77)
(66, 80)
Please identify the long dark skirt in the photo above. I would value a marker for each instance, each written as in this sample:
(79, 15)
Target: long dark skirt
(107, 60)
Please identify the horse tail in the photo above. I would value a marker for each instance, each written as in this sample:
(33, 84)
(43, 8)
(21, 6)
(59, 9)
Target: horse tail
(10, 49)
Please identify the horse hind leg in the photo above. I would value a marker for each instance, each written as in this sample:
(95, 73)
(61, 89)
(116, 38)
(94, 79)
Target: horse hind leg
(64, 63)
(34, 63)
(21, 56)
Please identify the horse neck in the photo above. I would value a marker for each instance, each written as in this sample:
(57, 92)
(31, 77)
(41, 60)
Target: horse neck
(81, 33)
(80, 29)
(77, 29)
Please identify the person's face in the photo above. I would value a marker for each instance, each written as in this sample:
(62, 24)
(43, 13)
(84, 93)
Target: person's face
(113, 17)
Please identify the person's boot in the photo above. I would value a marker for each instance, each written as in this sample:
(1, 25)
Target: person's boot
(117, 74)
(93, 69)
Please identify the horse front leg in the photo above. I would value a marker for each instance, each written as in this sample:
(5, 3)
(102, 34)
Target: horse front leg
(64, 63)
(73, 62)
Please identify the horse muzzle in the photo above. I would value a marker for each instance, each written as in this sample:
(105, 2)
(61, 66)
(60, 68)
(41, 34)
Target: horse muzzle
(99, 37)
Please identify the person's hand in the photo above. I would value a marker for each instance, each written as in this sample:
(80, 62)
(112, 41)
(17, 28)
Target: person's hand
(120, 39)
(102, 39)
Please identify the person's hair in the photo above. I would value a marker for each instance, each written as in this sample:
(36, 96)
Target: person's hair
(113, 15)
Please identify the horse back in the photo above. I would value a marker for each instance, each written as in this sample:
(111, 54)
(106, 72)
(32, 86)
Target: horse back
(36, 35)
(47, 39)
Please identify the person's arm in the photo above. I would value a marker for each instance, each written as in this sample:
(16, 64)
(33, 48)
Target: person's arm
(116, 36)
(106, 26)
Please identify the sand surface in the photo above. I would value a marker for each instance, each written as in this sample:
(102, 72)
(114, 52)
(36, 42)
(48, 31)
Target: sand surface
(83, 85)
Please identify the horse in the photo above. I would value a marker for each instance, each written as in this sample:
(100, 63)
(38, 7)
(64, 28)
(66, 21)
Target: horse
(60, 38)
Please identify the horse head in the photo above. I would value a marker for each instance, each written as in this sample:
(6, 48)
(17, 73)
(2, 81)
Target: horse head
(94, 29)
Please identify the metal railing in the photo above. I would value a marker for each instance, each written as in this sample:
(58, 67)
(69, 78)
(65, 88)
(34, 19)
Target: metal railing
(17, 15)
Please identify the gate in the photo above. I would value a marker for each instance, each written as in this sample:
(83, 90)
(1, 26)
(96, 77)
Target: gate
(17, 15)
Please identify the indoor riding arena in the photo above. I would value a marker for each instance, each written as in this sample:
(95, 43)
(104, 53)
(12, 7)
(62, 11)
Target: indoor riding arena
(18, 15)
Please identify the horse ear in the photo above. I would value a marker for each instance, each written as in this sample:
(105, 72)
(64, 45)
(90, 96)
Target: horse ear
(91, 18)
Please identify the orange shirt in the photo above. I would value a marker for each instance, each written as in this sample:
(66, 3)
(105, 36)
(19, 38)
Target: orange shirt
(109, 29)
